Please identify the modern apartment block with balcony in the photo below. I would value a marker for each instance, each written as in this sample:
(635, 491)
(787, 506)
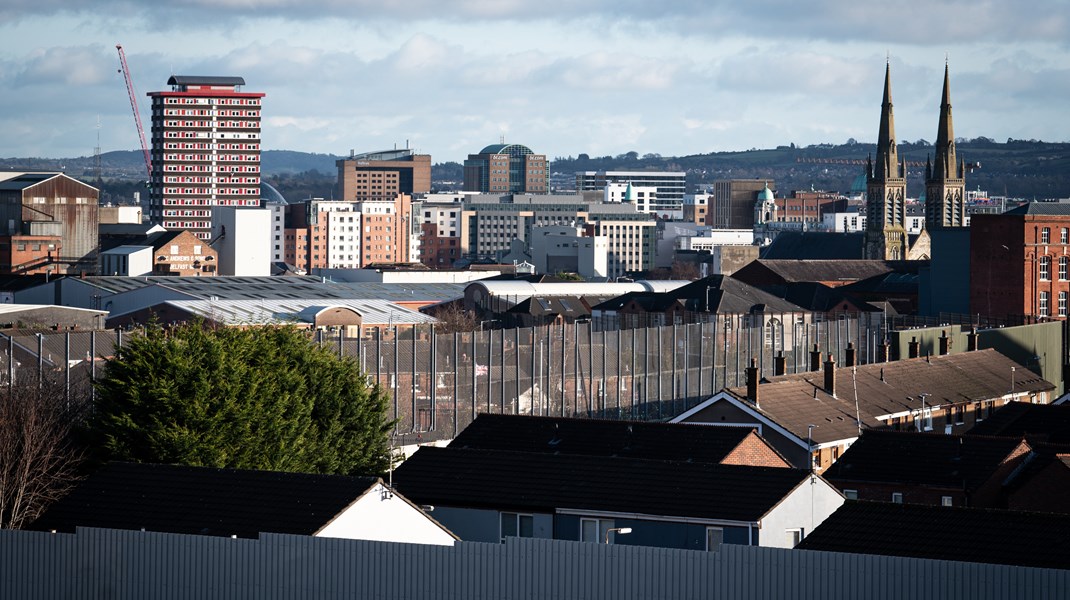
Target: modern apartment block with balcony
(205, 151)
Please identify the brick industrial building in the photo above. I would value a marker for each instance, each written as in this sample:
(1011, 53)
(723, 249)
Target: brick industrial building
(1020, 261)
(205, 151)
(51, 224)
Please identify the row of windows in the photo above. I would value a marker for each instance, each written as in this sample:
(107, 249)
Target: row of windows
(220, 101)
(209, 202)
(206, 191)
(1064, 235)
(221, 180)
(1045, 268)
(201, 112)
(215, 157)
(208, 146)
(1043, 308)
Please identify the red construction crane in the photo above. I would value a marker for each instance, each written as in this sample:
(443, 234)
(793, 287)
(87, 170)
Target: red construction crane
(133, 105)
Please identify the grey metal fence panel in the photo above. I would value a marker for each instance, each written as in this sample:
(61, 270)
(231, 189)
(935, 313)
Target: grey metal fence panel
(132, 564)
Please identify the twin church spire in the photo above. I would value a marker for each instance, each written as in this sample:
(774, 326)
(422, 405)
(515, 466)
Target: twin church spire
(885, 236)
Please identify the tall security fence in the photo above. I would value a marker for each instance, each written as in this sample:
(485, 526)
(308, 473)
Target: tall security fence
(439, 382)
(103, 563)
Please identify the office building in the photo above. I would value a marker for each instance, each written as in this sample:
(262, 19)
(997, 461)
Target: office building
(205, 151)
(383, 175)
(671, 185)
(506, 169)
(733, 202)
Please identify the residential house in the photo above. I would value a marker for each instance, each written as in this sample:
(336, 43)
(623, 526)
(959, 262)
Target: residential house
(978, 535)
(242, 504)
(625, 439)
(812, 417)
(927, 468)
(489, 495)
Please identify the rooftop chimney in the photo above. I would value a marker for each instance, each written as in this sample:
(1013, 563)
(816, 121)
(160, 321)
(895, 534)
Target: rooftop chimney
(830, 376)
(913, 348)
(849, 355)
(945, 343)
(752, 381)
(815, 359)
(779, 363)
(882, 352)
(971, 340)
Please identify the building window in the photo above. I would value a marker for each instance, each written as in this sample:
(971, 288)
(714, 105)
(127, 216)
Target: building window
(1042, 310)
(517, 525)
(794, 536)
(897, 497)
(1045, 235)
(1062, 304)
(850, 494)
(1064, 267)
(1064, 236)
(714, 538)
(595, 530)
(946, 500)
(1045, 268)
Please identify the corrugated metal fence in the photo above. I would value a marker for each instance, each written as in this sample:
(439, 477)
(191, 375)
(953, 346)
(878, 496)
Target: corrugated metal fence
(113, 564)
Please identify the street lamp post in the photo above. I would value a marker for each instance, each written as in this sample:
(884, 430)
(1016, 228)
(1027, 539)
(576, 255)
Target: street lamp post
(620, 530)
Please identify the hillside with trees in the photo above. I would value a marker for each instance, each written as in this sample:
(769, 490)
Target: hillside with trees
(1016, 168)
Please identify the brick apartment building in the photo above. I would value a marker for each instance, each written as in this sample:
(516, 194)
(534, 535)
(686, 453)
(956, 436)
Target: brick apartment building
(205, 151)
(1020, 261)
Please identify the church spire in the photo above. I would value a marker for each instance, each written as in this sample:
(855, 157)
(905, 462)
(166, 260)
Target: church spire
(946, 163)
(945, 184)
(887, 153)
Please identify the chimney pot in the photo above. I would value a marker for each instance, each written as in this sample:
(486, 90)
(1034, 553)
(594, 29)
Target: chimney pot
(972, 340)
(815, 359)
(779, 363)
(913, 348)
(830, 376)
(945, 343)
(752, 381)
(849, 355)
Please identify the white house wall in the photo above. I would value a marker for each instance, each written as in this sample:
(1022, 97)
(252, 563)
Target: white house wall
(386, 517)
(806, 507)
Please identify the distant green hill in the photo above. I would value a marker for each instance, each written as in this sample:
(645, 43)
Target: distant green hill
(1017, 168)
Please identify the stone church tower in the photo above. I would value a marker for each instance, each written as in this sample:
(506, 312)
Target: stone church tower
(945, 182)
(886, 190)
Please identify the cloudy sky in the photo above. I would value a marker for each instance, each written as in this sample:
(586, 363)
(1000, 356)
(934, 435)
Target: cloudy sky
(561, 76)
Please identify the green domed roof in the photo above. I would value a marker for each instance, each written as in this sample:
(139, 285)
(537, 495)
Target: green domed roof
(765, 194)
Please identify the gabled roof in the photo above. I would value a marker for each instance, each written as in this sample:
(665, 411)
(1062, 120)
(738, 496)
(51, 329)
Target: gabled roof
(285, 311)
(945, 533)
(883, 389)
(163, 238)
(931, 459)
(1042, 422)
(806, 245)
(717, 293)
(542, 482)
(25, 180)
(796, 270)
(598, 437)
(203, 501)
(816, 296)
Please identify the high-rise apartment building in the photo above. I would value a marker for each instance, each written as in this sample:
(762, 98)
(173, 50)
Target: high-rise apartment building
(205, 151)
(383, 175)
(506, 169)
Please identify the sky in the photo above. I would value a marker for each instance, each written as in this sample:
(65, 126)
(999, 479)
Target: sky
(563, 77)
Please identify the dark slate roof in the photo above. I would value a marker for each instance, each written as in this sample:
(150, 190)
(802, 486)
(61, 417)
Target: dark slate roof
(597, 437)
(886, 283)
(203, 501)
(25, 180)
(202, 80)
(126, 229)
(829, 270)
(163, 238)
(798, 400)
(542, 482)
(945, 533)
(1042, 208)
(1041, 422)
(816, 296)
(717, 293)
(806, 245)
(569, 306)
(931, 459)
